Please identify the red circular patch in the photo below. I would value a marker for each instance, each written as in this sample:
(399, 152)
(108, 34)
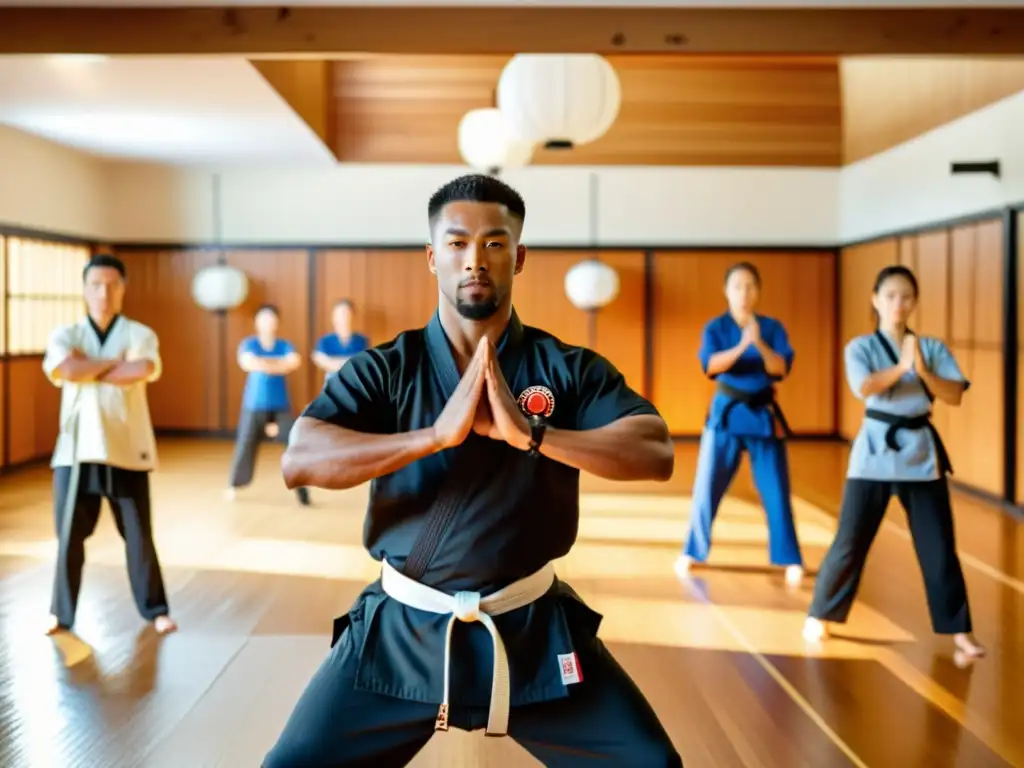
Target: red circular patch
(537, 401)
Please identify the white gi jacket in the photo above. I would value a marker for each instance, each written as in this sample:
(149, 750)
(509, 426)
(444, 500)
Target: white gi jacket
(104, 423)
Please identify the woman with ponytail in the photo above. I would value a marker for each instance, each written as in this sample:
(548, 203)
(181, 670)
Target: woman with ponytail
(897, 451)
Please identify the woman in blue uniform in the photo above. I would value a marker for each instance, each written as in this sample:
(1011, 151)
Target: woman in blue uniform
(745, 354)
(897, 451)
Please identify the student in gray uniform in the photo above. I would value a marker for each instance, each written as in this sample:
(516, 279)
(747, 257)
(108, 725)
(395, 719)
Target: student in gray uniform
(897, 451)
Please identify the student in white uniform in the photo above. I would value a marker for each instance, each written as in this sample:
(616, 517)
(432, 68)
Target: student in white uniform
(897, 451)
(105, 447)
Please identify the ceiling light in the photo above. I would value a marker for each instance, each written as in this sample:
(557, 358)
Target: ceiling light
(78, 58)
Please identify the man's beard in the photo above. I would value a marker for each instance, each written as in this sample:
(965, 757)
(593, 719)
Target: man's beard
(480, 310)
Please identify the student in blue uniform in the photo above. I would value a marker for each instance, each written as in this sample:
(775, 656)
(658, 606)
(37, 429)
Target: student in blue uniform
(746, 354)
(266, 408)
(473, 432)
(334, 349)
(897, 451)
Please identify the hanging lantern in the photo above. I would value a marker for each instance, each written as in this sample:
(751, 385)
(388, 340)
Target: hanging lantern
(559, 100)
(220, 288)
(591, 285)
(486, 142)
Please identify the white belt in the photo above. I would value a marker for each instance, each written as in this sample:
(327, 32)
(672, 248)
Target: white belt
(468, 607)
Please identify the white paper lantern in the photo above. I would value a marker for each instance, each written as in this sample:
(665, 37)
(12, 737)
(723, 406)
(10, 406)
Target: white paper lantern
(220, 288)
(487, 144)
(591, 285)
(559, 100)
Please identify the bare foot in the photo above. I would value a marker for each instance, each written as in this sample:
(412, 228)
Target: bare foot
(794, 575)
(815, 630)
(164, 625)
(53, 626)
(682, 566)
(968, 646)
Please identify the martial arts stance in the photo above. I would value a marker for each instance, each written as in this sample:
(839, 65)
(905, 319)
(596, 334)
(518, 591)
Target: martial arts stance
(470, 503)
(745, 354)
(897, 451)
(334, 349)
(105, 447)
(266, 408)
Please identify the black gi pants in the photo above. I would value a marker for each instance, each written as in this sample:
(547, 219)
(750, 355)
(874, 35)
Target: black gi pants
(251, 432)
(605, 721)
(930, 517)
(129, 499)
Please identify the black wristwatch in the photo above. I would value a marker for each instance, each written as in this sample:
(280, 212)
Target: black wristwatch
(537, 428)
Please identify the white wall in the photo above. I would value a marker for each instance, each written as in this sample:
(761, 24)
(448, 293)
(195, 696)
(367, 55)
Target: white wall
(910, 185)
(386, 204)
(48, 187)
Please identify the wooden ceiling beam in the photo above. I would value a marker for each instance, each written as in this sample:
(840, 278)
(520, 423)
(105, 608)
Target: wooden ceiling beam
(306, 85)
(319, 31)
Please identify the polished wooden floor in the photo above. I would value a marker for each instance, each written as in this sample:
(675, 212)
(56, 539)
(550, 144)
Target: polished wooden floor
(255, 583)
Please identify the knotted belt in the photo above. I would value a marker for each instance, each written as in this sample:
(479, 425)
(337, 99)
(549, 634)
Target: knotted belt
(470, 607)
(924, 421)
(763, 398)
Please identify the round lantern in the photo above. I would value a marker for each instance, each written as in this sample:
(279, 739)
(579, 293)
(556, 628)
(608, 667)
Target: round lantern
(559, 100)
(220, 288)
(486, 142)
(591, 285)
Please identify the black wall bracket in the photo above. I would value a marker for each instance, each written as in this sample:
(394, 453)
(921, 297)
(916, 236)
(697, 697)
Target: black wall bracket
(991, 166)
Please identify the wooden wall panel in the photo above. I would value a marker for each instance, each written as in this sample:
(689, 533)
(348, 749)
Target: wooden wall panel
(281, 278)
(933, 317)
(888, 100)
(539, 296)
(621, 327)
(976, 427)
(4, 406)
(798, 289)
(907, 257)
(187, 395)
(1020, 358)
(858, 267)
(34, 415)
(676, 110)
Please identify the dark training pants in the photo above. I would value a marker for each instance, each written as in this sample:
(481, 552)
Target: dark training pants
(604, 721)
(930, 517)
(251, 432)
(132, 516)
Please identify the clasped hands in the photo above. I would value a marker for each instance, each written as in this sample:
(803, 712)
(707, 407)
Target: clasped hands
(751, 333)
(482, 403)
(911, 358)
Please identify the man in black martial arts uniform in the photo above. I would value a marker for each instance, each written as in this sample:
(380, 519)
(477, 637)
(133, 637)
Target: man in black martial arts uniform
(471, 500)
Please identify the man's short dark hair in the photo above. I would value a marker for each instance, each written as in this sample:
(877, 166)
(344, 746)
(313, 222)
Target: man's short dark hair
(267, 308)
(344, 303)
(476, 188)
(105, 260)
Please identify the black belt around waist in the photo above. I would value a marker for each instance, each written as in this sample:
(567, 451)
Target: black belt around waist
(763, 398)
(924, 421)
